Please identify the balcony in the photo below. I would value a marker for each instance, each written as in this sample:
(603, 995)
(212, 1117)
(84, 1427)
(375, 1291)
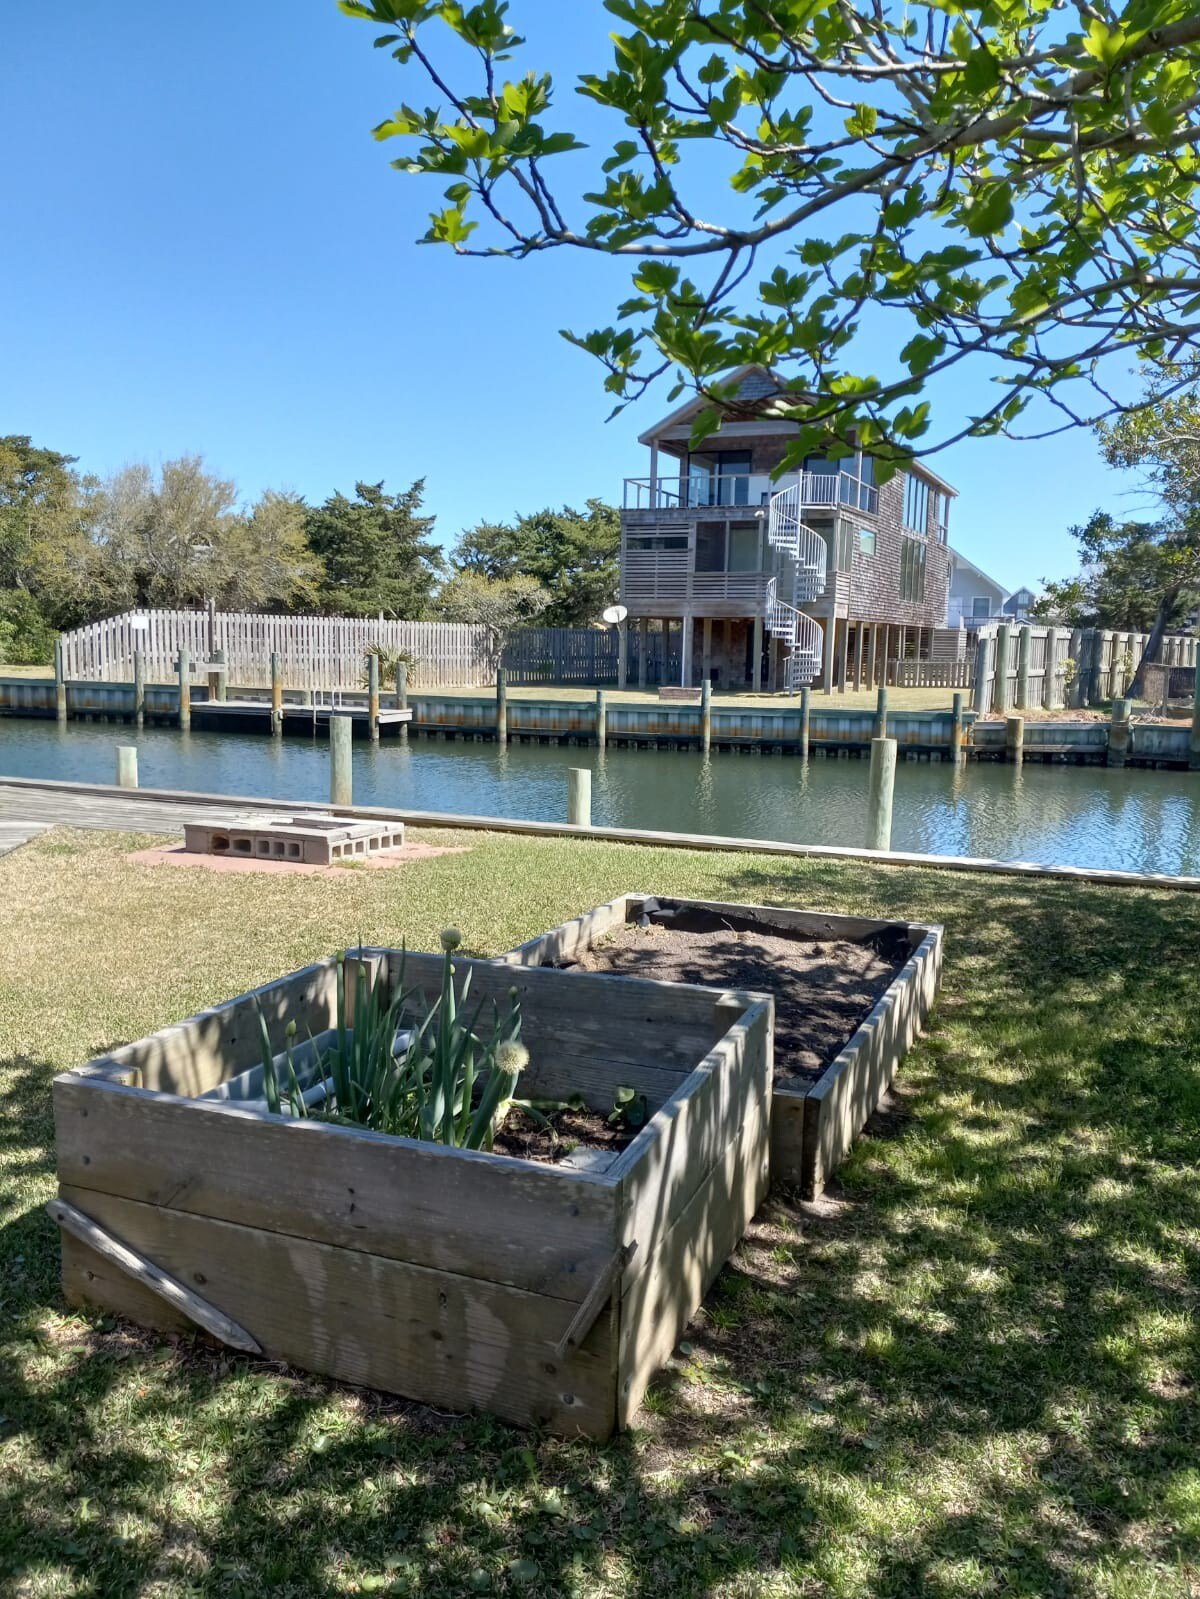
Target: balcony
(646, 497)
(662, 582)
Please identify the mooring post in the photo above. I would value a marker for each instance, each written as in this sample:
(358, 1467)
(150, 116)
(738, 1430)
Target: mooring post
(1118, 734)
(957, 748)
(127, 766)
(1000, 678)
(706, 715)
(1014, 738)
(139, 688)
(805, 719)
(501, 706)
(601, 719)
(881, 786)
(185, 690)
(373, 695)
(341, 771)
(979, 688)
(880, 728)
(276, 693)
(217, 677)
(402, 696)
(579, 796)
(60, 682)
(1194, 741)
(1024, 652)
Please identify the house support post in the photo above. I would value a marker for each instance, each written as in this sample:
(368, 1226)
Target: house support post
(844, 656)
(643, 650)
(873, 657)
(622, 655)
(827, 656)
(882, 784)
(706, 650)
(858, 656)
(685, 650)
(341, 770)
(758, 653)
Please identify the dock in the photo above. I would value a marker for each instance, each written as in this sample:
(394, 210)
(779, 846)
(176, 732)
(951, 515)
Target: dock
(254, 716)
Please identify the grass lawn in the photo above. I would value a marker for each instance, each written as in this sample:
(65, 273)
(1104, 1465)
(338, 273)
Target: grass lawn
(971, 1369)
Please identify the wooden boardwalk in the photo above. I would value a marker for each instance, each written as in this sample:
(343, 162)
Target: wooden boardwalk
(14, 834)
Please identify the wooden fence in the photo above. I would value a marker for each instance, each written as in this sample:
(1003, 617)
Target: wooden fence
(1027, 666)
(328, 652)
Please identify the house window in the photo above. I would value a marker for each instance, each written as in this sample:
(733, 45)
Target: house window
(866, 540)
(916, 504)
(912, 569)
(719, 479)
(841, 548)
(727, 547)
(656, 541)
(981, 608)
(941, 515)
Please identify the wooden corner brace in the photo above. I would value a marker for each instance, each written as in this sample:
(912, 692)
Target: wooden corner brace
(144, 1271)
(584, 1318)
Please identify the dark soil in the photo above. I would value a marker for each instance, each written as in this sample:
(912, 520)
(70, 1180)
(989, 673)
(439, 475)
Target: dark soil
(823, 988)
(529, 1140)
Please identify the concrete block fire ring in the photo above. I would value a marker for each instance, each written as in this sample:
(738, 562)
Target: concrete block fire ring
(308, 840)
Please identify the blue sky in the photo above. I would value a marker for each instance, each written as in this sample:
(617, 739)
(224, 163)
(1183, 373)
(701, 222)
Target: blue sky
(207, 252)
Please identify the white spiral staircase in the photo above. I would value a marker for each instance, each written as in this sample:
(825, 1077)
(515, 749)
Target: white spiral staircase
(802, 577)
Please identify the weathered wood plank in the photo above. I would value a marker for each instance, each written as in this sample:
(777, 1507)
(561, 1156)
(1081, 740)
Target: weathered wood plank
(431, 1335)
(526, 1225)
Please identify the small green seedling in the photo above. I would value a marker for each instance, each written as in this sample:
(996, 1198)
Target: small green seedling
(629, 1109)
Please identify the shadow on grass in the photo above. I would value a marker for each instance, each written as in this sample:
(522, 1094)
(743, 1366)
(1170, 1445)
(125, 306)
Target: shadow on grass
(970, 1368)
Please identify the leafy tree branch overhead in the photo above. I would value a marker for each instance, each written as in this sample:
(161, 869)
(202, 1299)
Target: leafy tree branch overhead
(1013, 182)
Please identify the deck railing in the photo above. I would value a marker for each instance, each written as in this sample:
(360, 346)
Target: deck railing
(818, 490)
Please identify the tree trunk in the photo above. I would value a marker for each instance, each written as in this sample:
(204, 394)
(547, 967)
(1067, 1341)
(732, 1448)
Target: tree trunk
(1137, 689)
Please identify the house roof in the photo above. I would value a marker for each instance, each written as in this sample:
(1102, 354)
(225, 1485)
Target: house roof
(757, 383)
(962, 560)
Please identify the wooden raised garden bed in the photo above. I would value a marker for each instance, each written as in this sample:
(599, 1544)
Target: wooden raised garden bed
(545, 1293)
(851, 994)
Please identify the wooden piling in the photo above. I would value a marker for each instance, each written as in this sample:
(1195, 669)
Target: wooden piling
(579, 796)
(1024, 653)
(1014, 738)
(1118, 734)
(501, 706)
(60, 683)
(139, 688)
(881, 712)
(881, 786)
(601, 719)
(1000, 677)
(341, 769)
(373, 695)
(185, 690)
(276, 693)
(706, 715)
(1194, 741)
(217, 677)
(957, 749)
(805, 719)
(127, 773)
(980, 697)
(402, 696)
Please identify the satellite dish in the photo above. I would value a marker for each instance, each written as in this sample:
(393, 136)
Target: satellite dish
(615, 615)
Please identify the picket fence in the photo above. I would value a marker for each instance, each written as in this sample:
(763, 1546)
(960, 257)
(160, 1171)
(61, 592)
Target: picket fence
(327, 653)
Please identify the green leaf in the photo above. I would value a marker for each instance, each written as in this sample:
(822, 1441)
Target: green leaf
(990, 210)
(982, 71)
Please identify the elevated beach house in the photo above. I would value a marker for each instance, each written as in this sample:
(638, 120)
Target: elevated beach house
(819, 576)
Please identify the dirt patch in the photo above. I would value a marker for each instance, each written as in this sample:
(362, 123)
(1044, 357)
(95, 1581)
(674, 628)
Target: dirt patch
(823, 988)
(570, 1130)
(176, 855)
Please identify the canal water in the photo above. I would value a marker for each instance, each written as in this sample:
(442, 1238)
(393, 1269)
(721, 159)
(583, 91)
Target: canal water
(1068, 815)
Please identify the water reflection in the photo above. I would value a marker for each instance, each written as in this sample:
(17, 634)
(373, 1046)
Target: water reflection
(1083, 816)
